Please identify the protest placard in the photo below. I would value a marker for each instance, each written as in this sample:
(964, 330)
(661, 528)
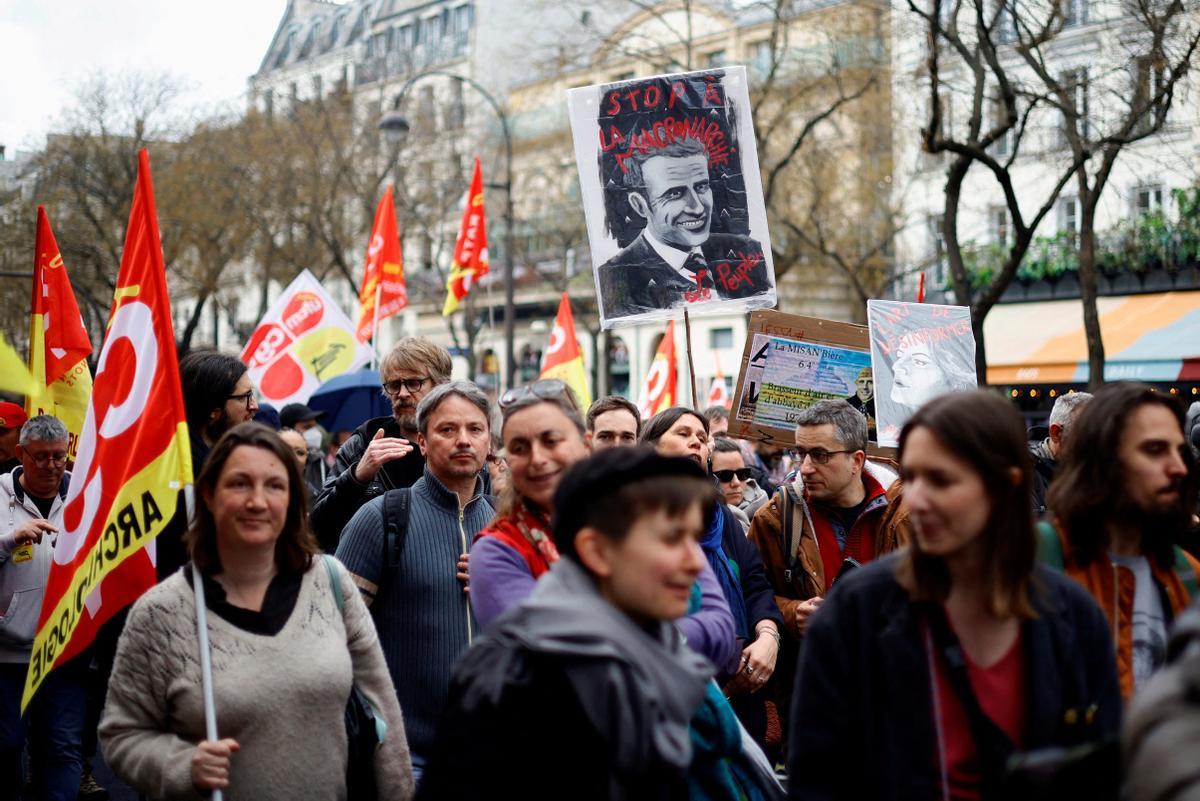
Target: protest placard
(918, 352)
(791, 362)
(303, 340)
(669, 177)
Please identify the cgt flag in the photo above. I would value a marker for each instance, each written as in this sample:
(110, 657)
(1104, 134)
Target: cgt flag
(134, 457)
(383, 291)
(58, 341)
(470, 261)
(658, 392)
(718, 393)
(564, 359)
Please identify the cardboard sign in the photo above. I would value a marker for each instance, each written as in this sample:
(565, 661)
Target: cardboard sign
(918, 351)
(669, 177)
(304, 340)
(791, 362)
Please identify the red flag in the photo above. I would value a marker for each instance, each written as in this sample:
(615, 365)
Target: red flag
(383, 275)
(58, 341)
(658, 392)
(470, 262)
(134, 456)
(564, 359)
(718, 393)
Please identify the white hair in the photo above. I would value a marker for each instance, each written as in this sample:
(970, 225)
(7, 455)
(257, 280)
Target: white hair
(43, 428)
(1063, 413)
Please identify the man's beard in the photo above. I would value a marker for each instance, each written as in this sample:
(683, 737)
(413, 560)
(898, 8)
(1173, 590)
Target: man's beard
(406, 417)
(216, 428)
(1163, 523)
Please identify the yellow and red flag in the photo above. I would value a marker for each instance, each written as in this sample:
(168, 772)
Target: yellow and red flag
(14, 375)
(563, 358)
(718, 393)
(658, 392)
(134, 457)
(58, 340)
(470, 262)
(383, 276)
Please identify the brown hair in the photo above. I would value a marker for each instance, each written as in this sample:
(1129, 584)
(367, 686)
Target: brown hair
(1089, 487)
(661, 423)
(612, 403)
(296, 546)
(986, 432)
(418, 355)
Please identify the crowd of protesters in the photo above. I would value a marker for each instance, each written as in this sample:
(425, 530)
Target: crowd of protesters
(531, 599)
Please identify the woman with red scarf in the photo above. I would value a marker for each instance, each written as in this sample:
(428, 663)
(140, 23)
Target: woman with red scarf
(543, 435)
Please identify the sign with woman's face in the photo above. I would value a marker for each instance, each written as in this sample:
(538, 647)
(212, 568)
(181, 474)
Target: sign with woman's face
(918, 351)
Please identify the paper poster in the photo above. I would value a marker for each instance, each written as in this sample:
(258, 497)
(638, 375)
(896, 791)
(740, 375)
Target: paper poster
(918, 351)
(798, 374)
(303, 341)
(791, 362)
(668, 173)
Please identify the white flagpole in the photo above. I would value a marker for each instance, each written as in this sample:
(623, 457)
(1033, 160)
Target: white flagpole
(375, 325)
(210, 708)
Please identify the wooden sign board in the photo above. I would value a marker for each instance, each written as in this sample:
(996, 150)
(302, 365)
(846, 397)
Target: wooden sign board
(791, 362)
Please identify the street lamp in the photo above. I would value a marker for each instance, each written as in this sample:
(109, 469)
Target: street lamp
(395, 127)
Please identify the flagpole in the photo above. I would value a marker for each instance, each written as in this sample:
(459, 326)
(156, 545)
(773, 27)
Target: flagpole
(206, 682)
(375, 326)
(687, 333)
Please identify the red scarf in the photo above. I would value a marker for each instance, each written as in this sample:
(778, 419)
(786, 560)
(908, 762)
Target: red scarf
(527, 533)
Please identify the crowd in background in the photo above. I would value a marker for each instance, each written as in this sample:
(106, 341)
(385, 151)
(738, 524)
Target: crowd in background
(531, 599)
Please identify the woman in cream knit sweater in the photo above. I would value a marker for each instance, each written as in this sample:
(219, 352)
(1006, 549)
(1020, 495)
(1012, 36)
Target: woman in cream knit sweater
(283, 657)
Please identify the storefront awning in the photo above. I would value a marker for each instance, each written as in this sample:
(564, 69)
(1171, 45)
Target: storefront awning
(1152, 337)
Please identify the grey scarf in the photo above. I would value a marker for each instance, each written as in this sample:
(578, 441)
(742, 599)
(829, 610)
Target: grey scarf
(639, 687)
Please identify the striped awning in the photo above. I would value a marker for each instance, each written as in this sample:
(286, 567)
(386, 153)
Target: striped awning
(1154, 337)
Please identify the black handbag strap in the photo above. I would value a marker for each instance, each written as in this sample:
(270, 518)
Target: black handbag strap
(992, 746)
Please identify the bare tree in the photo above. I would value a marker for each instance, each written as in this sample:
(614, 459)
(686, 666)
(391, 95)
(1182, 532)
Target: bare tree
(1105, 107)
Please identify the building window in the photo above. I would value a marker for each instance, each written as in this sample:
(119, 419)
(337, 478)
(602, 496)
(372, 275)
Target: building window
(720, 338)
(937, 251)
(999, 222)
(1075, 82)
(455, 108)
(1068, 215)
(1147, 93)
(317, 87)
(1147, 199)
(715, 59)
(269, 103)
(1006, 23)
(1074, 12)
(762, 55)
(426, 113)
(1000, 147)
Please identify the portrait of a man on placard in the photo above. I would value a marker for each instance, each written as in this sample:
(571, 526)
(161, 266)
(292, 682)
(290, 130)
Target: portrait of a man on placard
(672, 195)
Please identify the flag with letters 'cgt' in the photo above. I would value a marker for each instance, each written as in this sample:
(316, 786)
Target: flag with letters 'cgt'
(134, 457)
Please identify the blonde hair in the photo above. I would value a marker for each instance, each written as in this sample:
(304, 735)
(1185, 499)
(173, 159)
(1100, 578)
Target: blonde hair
(418, 355)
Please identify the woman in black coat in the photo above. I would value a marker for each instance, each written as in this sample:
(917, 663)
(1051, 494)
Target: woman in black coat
(924, 672)
(738, 565)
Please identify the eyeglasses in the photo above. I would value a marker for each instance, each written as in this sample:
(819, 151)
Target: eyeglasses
(245, 397)
(818, 455)
(725, 476)
(544, 389)
(44, 459)
(413, 385)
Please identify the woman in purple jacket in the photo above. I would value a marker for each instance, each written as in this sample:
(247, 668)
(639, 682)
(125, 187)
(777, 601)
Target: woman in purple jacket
(543, 435)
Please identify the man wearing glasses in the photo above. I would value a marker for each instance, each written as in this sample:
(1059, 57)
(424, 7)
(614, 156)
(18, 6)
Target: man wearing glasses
(827, 522)
(217, 395)
(33, 493)
(382, 453)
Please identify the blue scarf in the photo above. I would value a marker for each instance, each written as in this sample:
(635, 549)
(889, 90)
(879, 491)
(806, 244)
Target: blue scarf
(719, 769)
(728, 573)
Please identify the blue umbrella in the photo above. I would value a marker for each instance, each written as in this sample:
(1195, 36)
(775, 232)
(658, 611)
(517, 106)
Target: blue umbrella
(349, 400)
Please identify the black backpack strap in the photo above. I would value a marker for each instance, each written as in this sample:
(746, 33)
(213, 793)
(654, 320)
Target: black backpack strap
(395, 529)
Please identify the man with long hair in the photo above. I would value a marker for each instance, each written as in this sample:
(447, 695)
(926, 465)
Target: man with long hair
(1122, 500)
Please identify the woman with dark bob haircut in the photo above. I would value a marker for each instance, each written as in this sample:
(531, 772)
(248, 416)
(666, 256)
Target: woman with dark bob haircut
(943, 660)
(738, 566)
(284, 654)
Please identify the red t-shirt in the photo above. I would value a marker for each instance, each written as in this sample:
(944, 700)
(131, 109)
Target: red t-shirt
(1000, 690)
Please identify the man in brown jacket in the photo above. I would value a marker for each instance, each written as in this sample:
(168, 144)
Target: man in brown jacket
(839, 513)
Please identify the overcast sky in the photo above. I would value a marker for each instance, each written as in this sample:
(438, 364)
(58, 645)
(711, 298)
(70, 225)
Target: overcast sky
(47, 47)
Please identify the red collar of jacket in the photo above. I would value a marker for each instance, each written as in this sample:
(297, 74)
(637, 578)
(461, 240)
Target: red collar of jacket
(860, 539)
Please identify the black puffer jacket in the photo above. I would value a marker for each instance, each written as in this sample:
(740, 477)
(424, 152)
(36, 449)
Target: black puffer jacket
(1044, 467)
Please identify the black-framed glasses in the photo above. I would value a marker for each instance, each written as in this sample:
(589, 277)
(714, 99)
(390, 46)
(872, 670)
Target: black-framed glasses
(725, 476)
(245, 397)
(818, 455)
(44, 459)
(413, 385)
(543, 389)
